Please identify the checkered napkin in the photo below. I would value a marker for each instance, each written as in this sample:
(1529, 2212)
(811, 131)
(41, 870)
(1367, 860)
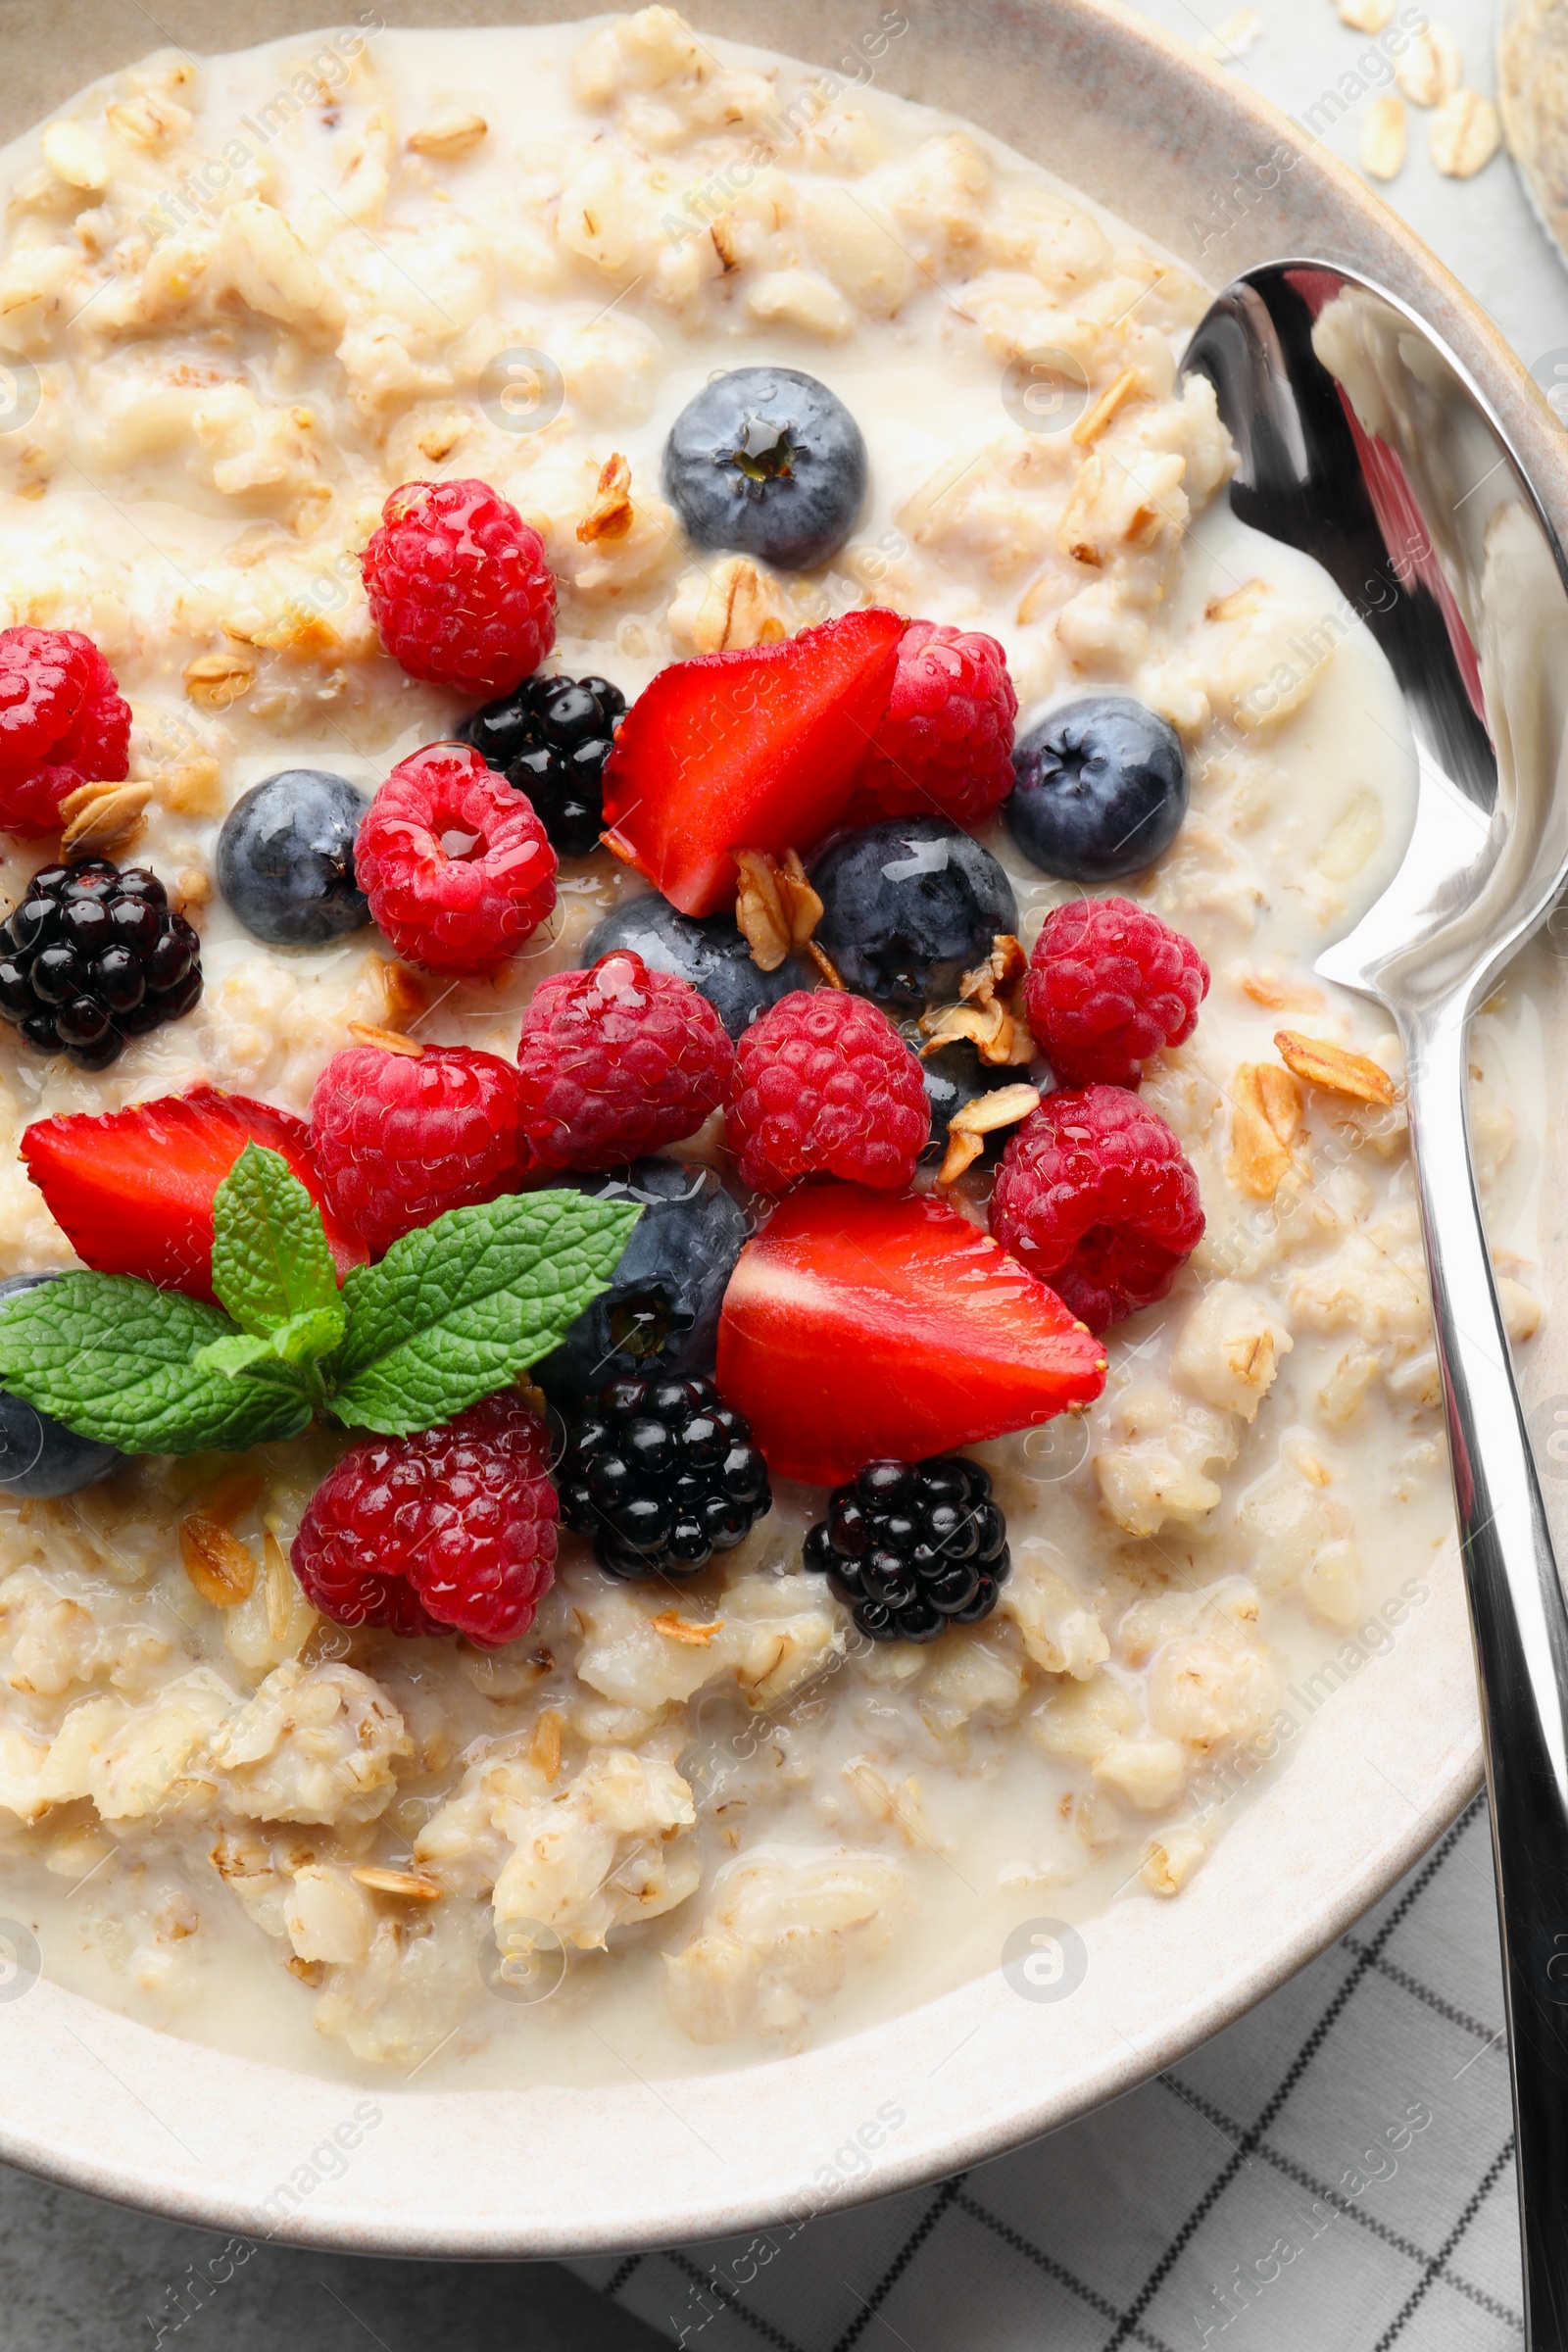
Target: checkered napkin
(1334, 2174)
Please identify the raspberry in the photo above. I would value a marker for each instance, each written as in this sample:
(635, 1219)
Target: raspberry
(450, 1532)
(400, 1139)
(453, 861)
(459, 587)
(825, 1086)
(615, 1061)
(944, 744)
(1097, 1197)
(63, 722)
(1108, 985)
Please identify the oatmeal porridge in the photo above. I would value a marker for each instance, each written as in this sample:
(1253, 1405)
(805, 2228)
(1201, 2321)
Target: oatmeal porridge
(668, 1808)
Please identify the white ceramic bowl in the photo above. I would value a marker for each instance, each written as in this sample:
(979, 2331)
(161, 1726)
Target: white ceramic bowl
(1373, 1773)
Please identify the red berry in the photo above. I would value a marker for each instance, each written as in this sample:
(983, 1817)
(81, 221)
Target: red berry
(615, 1061)
(825, 1086)
(1095, 1196)
(943, 745)
(398, 1141)
(134, 1191)
(450, 1532)
(857, 1328)
(745, 751)
(458, 868)
(63, 722)
(1108, 985)
(459, 587)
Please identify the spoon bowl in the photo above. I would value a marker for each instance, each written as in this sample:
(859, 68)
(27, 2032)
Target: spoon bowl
(1363, 442)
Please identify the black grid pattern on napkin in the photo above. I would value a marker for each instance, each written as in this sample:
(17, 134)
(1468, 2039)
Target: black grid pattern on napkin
(1334, 2169)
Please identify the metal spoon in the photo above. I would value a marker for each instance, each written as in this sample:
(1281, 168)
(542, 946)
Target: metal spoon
(1363, 442)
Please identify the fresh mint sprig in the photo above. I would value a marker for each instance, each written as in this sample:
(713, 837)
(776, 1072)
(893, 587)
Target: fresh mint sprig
(453, 1311)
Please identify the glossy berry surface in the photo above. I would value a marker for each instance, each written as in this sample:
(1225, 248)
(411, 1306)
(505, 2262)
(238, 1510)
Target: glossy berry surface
(63, 722)
(859, 1325)
(39, 1457)
(660, 1311)
(1108, 985)
(943, 747)
(751, 748)
(459, 587)
(707, 951)
(133, 1191)
(454, 865)
(550, 737)
(285, 858)
(616, 1062)
(913, 1548)
(825, 1086)
(92, 957)
(1097, 1197)
(768, 460)
(452, 1530)
(398, 1139)
(910, 907)
(660, 1476)
(1100, 790)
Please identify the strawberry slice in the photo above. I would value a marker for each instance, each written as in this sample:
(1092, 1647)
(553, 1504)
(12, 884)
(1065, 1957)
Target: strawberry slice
(746, 750)
(134, 1191)
(857, 1328)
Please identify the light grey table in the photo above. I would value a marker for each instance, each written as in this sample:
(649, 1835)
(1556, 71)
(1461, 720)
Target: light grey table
(80, 2276)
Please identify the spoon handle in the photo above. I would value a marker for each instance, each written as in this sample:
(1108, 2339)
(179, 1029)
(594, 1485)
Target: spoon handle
(1520, 1626)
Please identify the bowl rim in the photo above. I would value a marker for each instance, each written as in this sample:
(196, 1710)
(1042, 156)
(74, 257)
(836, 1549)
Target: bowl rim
(54, 2045)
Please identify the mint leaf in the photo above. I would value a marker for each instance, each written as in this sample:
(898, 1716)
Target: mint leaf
(315, 1333)
(116, 1359)
(234, 1354)
(463, 1305)
(270, 1261)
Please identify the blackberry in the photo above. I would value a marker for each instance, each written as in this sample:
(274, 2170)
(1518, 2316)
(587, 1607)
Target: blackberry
(93, 956)
(661, 1476)
(913, 1548)
(550, 737)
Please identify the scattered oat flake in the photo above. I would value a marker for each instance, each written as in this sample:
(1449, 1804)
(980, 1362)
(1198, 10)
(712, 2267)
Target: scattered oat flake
(398, 1882)
(101, 816)
(1383, 138)
(1127, 386)
(220, 1567)
(1335, 1068)
(544, 1747)
(1266, 1112)
(1431, 69)
(968, 1128)
(687, 1629)
(1465, 134)
(1281, 996)
(610, 517)
(1365, 16)
(390, 1041)
(776, 908)
(280, 1588)
(448, 137)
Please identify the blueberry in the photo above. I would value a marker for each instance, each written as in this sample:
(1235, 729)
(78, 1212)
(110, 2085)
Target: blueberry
(707, 951)
(768, 460)
(285, 858)
(954, 1075)
(908, 907)
(659, 1314)
(1101, 790)
(38, 1457)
